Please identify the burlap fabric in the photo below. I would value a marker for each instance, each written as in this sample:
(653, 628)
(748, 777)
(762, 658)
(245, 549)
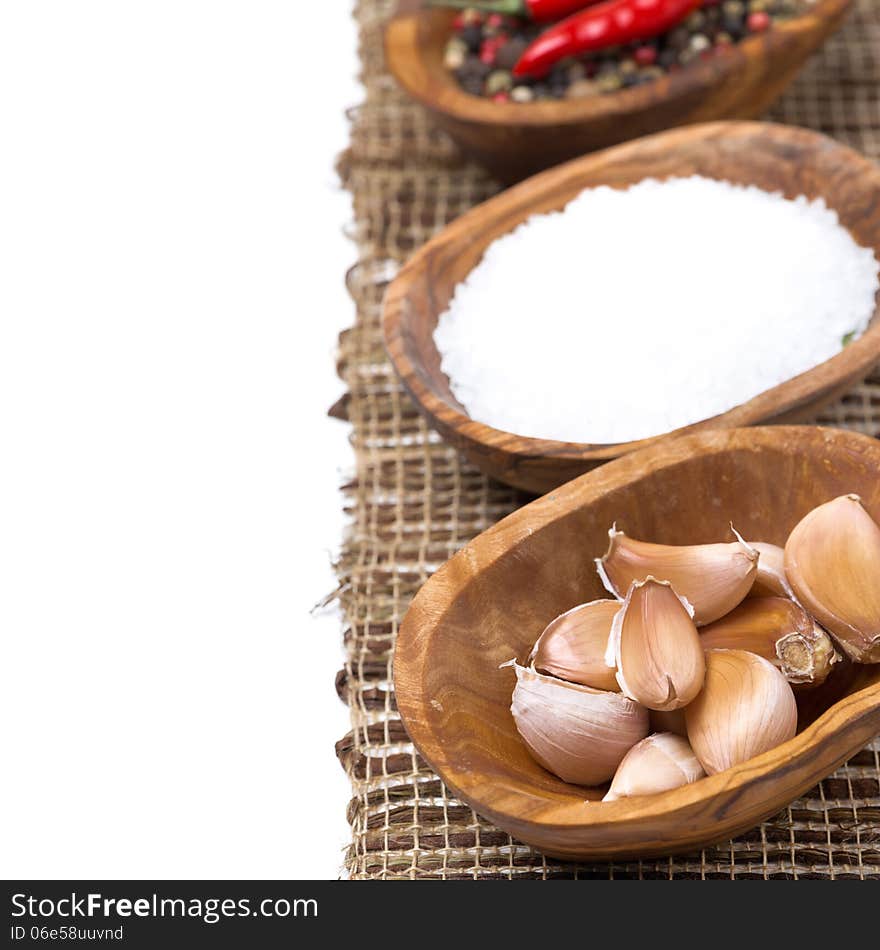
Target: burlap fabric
(413, 502)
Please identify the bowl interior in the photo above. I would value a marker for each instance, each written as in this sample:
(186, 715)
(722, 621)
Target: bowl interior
(774, 158)
(491, 602)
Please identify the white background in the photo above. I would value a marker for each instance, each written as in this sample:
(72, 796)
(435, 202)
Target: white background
(171, 286)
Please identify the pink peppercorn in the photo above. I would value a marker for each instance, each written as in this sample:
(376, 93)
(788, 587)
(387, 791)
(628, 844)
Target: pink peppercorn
(459, 23)
(490, 47)
(501, 97)
(758, 21)
(495, 21)
(646, 55)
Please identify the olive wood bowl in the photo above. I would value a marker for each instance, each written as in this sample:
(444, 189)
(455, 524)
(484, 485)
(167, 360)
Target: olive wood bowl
(491, 601)
(514, 140)
(774, 157)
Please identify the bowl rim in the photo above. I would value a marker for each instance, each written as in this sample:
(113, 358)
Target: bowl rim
(846, 712)
(437, 90)
(852, 362)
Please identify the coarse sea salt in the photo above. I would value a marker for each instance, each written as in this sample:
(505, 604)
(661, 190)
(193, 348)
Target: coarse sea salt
(631, 313)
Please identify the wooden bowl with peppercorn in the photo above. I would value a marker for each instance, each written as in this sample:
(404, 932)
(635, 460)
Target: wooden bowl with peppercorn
(732, 68)
(491, 601)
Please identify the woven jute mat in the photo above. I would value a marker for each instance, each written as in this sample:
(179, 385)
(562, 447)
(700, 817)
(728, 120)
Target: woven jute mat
(414, 502)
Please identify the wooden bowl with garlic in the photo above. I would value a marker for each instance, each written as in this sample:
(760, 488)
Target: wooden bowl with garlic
(673, 685)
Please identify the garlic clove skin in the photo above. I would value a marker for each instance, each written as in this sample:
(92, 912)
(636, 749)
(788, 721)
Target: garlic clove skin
(573, 646)
(657, 764)
(832, 561)
(713, 578)
(746, 707)
(577, 733)
(656, 647)
(779, 630)
(770, 580)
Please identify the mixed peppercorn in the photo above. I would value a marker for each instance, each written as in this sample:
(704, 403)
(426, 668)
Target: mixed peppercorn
(515, 58)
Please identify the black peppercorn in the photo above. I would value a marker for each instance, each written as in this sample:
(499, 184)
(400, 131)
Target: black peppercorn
(667, 57)
(734, 26)
(472, 35)
(509, 53)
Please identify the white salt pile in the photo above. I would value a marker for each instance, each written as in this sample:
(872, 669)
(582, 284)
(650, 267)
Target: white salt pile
(631, 313)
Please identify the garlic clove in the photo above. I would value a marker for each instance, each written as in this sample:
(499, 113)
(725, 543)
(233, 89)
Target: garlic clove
(656, 647)
(573, 646)
(746, 707)
(670, 720)
(659, 763)
(713, 578)
(832, 561)
(577, 733)
(779, 630)
(770, 580)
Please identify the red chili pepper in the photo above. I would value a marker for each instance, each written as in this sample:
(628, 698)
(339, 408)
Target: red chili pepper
(612, 23)
(541, 11)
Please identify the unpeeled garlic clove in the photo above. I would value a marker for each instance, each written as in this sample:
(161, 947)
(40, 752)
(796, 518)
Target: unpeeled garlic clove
(657, 764)
(770, 580)
(832, 561)
(713, 578)
(573, 646)
(578, 733)
(746, 707)
(656, 647)
(779, 630)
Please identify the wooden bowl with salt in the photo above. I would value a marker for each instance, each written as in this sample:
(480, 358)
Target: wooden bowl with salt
(514, 140)
(492, 600)
(773, 157)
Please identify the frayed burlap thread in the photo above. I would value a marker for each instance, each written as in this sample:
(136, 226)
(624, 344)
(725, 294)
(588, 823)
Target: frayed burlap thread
(413, 502)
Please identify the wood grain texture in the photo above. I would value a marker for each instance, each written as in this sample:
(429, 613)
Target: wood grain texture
(491, 601)
(514, 140)
(774, 157)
